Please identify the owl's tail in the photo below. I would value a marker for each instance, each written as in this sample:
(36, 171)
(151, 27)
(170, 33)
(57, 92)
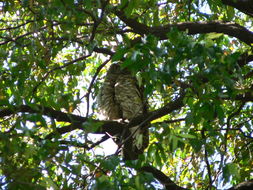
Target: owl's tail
(135, 144)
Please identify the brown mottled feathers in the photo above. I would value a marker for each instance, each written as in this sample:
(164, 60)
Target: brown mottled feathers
(121, 98)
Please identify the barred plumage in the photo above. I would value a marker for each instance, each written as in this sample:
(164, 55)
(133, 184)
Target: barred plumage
(121, 98)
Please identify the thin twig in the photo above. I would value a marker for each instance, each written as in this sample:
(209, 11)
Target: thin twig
(58, 68)
(171, 121)
(97, 22)
(18, 26)
(104, 138)
(227, 131)
(87, 95)
(207, 162)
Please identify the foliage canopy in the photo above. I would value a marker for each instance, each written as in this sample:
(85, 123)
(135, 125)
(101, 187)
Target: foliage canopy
(194, 58)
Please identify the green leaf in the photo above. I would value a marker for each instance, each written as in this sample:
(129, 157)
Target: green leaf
(156, 18)
(230, 12)
(196, 144)
(91, 126)
(111, 163)
(119, 54)
(230, 169)
(49, 183)
(131, 5)
(187, 136)
(212, 36)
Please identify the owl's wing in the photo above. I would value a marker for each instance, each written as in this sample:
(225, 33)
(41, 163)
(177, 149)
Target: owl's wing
(108, 107)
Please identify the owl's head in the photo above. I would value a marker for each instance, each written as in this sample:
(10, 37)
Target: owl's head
(116, 69)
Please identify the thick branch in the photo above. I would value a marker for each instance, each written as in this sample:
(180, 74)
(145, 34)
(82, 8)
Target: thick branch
(170, 185)
(160, 176)
(245, 59)
(150, 116)
(79, 122)
(229, 28)
(103, 50)
(247, 185)
(111, 127)
(246, 6)
(58, 115)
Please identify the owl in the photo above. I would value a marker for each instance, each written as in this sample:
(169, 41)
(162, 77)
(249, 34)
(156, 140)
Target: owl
(120, 98)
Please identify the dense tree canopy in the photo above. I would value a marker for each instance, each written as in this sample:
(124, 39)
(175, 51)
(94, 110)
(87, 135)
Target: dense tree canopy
(194, 59)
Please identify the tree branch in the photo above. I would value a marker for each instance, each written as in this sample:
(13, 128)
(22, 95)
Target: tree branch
(245, 59)
(75, 144)
(58, 115)
(87, 95)
(62, 130)
(246, 6)
(103, 50)
(79, 122)
(229, 28)
(247, 185)
(150, 116)
(111, 127)
(58, 68)
(170, 185)
(18, 26)
(209, 171)
(160, 176)
(15, 39)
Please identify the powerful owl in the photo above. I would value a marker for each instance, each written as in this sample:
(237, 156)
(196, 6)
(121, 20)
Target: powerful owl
(120, 97)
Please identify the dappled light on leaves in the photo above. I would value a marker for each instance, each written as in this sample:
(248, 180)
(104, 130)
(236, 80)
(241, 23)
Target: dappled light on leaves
(191, 61)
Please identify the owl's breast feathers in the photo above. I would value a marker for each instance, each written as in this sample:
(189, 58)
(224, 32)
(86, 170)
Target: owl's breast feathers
(128, 96)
